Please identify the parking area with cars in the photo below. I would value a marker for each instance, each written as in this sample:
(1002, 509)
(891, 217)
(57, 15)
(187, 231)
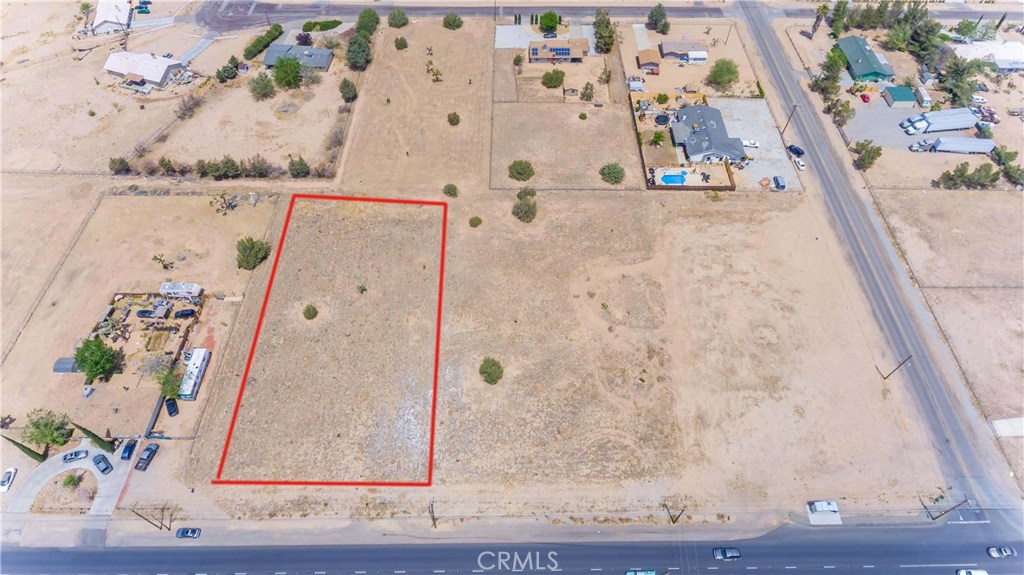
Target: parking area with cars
(750, 119)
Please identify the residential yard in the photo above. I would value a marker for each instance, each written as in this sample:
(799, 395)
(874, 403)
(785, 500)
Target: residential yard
(401, 117)
(566, 152)
(673, 76)
(958, 242)
(633, 374)
(577, 74)
(353, 385)
(113, 255)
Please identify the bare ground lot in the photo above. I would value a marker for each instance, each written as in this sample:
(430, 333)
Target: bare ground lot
(958, 243)
(660, 348)
(355, 384)
(577, 74)
(112, 255)
(566, 152)
(32, 245)
(400, 119)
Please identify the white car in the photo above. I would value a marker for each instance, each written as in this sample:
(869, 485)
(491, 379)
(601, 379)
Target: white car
(8, 479)
(971, 572)
(751, 144)
(979, 99)
(800, 165)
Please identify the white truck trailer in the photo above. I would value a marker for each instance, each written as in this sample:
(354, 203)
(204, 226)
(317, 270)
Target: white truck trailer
(957, 145)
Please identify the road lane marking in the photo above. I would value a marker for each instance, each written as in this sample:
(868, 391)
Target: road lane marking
(399, 572)
(945, 565)
(829, 566)
(869, 566)
(673, 569)
(788, 567)
(360, 572)
(596, 569)
(438, 570)
(319, 572)
(751, 568)
(712, 568)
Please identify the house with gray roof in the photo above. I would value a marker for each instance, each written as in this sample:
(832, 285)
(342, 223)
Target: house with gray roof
(319, 58)
(700, 130)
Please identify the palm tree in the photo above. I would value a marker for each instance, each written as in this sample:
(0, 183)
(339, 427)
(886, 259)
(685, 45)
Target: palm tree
(819, 16)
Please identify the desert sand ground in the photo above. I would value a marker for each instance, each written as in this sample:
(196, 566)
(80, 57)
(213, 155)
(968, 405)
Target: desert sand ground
(364, 377)
(400, 119)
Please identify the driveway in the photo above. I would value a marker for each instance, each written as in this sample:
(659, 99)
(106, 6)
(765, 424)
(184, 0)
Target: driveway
(750, 119)
(878, 122)
(108, 486)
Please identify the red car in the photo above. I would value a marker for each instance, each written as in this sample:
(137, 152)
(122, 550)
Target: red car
(865, 98)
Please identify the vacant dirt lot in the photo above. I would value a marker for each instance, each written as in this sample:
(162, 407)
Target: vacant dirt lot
(113, 254)
(958, 243)
(577, 74)
(354, 385)
(565, 151)
(401, 117)
(660, 347)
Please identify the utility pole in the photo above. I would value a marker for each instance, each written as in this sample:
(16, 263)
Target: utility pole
(793, 111)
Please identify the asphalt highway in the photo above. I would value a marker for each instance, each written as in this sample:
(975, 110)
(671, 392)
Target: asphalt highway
(231, 15)
(905, 550)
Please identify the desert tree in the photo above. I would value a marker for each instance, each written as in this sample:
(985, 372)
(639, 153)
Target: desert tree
(348, 90)
(397, 18)
(251, 253)
(96, 359)
(45, 427)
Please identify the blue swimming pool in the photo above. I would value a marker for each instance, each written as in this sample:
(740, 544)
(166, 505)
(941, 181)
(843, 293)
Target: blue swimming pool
(673, 179)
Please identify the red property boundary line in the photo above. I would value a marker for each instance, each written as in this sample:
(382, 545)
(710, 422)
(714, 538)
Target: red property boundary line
(259, 325)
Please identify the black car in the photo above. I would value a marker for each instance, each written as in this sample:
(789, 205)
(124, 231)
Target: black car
(129, 450)
(184, 313)
(145, 313)
(795, 150)
(147, 457)
(189, 533)
(102, 464)
(172, 406)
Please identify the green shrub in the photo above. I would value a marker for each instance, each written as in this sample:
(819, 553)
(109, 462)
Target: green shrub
(95, 358)
(119, 166)
(309, 312)
(261, 87)
(517, 60)
(450, 190)
(261, 42)
(552, 78)
(358, 52)
(453, 119)
(723, 74)
(72, 481)
(251, 253)
(520, 170)
(452, 21)
(583, 115)
(397, 18)
(367, 22)
(401, 43)
(348, 90)
(612, 173)
(491, 370)
(475, 221)
(287, 72)
(320, 25)
(661, 99)
(298, 168)
(525, 208)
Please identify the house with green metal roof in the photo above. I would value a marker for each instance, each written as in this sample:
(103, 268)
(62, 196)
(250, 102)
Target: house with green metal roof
(864, 63)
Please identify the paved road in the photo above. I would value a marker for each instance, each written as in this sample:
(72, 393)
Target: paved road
(921, 550)
(230, 15)
(965, 445)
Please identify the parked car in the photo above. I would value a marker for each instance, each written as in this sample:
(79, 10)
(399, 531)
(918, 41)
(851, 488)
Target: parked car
(1015, 111)
(779, 182)
(172, 406)
(751, 144)
(102, 464)
(550, 35)
(75, 455)
(864, 98)
(147, 457)
(979, 99)
(145, 313)
(8, 479)
(189, 533)
(129, 449)
(1001, 552)
(726, 553)
(980, 87)
(168, 55)
(800, 165)
(184, 313)
(795, 150)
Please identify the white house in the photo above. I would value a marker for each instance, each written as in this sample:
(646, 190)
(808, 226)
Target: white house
(111, 16)
(143, 68)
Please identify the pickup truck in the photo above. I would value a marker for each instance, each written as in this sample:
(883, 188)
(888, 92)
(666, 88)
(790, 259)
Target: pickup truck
(147, 457)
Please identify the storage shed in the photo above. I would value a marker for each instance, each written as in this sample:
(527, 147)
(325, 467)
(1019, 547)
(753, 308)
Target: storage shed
(899, 97)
